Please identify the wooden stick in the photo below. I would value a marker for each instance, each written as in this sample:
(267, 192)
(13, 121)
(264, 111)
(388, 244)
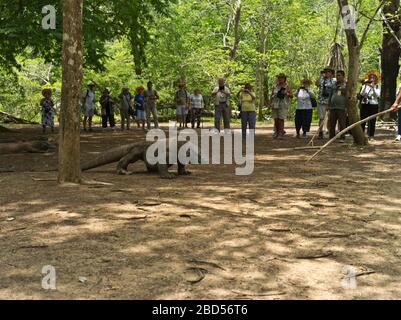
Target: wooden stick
(320, 129)
(350, 128)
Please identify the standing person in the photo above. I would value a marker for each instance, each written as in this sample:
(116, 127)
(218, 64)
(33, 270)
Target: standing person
(304, 111)
(338, 105)
(89, 105)
(280, 102)
(326, 83)
(107, 105)
(369, 97)
(197, 104)
(47, 110)
(151, 96)
(126, 108)
(221, 95)
(394, 108)
(247, 100)
(140, 113)
(182, 101)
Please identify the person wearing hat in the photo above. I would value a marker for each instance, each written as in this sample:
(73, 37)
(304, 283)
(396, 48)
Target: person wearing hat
(125, 108)
(89, 99)
(183, 102)
(369, 98)
(279, 103)
(247, 100)
(304, 111)
(107, 104)
(47, 110)
(326, 84)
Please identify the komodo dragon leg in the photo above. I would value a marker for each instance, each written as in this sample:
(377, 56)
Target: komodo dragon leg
(182, 171)
(133, 156)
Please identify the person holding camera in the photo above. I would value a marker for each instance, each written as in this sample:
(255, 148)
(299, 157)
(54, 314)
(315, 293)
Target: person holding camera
(326, 83)
(303, 114)
(338, 106)
(369, 102)
(279, 103)
(221, 94)
(247, 100)
(107, 109)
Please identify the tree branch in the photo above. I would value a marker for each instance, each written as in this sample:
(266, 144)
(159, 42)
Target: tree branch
(365, 33)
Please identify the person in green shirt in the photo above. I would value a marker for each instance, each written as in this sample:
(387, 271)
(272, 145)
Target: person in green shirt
(338, 105)
(247, 100)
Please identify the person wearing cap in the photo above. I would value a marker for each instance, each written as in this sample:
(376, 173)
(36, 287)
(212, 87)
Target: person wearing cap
(107, 105)
(247, 100)
(279, 103)
(182, 101)
(125, 108)
(140, 113)
(47, 110)
(304, 111)
(151, 96)
(326, 83)
(89, 105)
(369, 97)
(221, 95)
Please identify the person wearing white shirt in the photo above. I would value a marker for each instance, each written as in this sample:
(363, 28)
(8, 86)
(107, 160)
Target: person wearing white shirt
(369, 97)
(197, 105)
(304, 111)
(89, 99)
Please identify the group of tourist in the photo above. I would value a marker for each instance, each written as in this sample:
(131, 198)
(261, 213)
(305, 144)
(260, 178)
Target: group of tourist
(330, 102)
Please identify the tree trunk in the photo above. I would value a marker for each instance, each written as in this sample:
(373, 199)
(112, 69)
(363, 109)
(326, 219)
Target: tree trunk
(390, 55)
(354, 52)
(261, 71)
(352, 86)
(69, 149)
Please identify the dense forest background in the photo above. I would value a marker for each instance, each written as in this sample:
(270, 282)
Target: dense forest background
(128, 43)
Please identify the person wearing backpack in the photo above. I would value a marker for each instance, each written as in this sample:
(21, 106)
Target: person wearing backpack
(369, 103)
(326, 83)
(279, 103)
(126, 108)
(305, 102)
(88, 106)
(107, 109)
(182, 101)
(247, 99)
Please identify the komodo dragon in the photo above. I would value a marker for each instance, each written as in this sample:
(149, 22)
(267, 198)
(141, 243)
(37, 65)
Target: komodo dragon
(20, 147)
(132, 153)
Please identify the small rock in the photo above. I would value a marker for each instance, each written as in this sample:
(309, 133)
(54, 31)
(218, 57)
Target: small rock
(10, 219)
(83, 279)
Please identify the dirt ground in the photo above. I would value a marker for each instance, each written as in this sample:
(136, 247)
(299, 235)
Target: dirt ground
(289, 231)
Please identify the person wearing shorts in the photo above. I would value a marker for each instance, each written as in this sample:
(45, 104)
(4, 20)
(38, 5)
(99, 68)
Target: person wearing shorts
(182, 100)
(280, 103)
(140, 113)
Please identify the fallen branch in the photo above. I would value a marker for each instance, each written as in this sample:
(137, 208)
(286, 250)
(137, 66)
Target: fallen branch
(215, 265)
(262, 294)
(340, 134)
(8, 118)
(317, 256)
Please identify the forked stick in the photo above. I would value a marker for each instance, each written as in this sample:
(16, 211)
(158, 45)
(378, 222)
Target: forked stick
(350, 128)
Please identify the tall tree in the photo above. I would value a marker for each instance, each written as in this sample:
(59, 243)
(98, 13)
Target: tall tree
(354, 59)
(69, 141)
(390, 53)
